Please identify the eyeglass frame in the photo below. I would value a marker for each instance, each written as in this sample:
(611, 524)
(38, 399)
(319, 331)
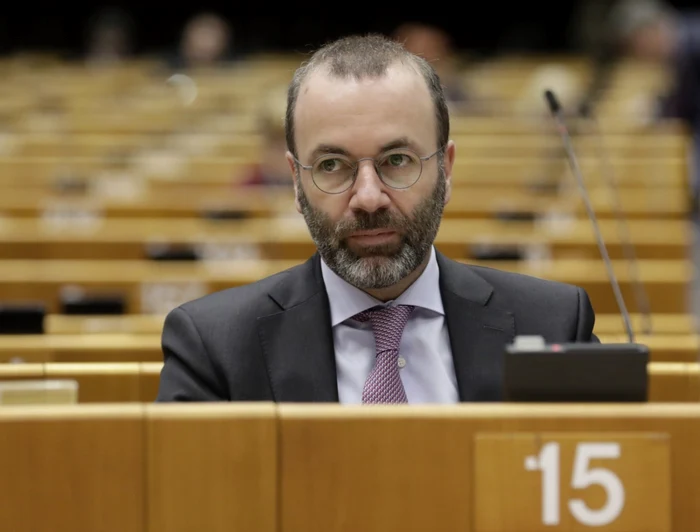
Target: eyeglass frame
(356, 166)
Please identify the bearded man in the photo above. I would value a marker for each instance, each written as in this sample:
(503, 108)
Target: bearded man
(377, 315)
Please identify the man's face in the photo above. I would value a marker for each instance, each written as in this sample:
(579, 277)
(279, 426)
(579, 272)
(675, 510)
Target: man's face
(372, 235)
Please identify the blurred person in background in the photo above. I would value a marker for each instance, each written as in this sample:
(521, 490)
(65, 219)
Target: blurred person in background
(435, 46)
(110, 38)
(271, 169)
(654, 32)
(206, 42)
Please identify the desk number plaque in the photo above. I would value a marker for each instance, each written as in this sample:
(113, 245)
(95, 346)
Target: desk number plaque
(572, 482)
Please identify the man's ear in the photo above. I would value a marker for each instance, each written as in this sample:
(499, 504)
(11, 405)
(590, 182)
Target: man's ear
(295, 177)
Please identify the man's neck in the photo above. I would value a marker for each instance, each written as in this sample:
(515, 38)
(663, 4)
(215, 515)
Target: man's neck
(392, 292)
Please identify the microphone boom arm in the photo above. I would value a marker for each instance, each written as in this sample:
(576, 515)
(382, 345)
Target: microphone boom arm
(555, 108)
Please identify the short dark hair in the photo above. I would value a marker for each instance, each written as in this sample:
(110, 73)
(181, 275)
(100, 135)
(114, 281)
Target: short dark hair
(360, 57)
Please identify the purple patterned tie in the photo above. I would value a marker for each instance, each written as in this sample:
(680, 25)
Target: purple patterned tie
(383, 385)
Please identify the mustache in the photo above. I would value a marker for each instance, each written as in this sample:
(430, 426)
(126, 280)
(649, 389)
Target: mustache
(367, 221)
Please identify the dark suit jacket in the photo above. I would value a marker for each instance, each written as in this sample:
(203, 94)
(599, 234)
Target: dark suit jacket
(272, 340)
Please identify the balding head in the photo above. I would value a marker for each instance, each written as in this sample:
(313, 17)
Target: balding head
(366, 57)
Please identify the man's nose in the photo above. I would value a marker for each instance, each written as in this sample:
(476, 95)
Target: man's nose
(368, 192)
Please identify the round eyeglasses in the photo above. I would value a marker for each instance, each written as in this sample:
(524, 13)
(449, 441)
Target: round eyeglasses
(398, 169)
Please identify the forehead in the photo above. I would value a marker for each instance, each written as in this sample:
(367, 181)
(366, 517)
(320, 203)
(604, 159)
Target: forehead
(360, 115)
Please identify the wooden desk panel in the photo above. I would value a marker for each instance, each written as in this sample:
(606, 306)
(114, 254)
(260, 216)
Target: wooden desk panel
(139, 468)
(373, 469)
(59, 324)
(79, 348)
(77, 469)
(212, 467)
(674, 382)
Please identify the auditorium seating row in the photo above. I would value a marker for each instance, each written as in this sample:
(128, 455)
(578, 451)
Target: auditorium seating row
(115, 382)
(288, 238)
(146, 287)
(126, 347)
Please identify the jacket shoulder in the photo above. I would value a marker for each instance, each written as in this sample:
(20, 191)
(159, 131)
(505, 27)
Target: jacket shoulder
(525, 284)
(234, 300)
(556, 310)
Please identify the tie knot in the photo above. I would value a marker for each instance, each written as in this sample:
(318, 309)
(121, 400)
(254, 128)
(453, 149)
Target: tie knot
(388, 324)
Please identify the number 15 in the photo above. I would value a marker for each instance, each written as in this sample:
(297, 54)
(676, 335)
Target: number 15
(582, 477)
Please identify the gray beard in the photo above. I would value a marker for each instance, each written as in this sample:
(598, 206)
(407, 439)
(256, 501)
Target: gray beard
(379, 266)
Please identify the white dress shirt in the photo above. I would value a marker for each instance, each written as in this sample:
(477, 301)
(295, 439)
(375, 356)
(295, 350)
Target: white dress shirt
(427, 370)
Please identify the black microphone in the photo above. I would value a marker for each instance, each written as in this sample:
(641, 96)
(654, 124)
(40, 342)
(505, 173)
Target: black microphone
(555, 109)
(608, 172)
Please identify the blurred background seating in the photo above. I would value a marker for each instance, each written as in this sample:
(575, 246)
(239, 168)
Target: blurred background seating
(145, 166)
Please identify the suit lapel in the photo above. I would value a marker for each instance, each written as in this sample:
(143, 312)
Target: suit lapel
(297, 342)
(478, 332)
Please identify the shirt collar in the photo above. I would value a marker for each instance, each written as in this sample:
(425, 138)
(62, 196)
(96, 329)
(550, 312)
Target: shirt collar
(347, 300)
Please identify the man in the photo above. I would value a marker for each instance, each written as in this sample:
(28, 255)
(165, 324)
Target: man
(377, 315)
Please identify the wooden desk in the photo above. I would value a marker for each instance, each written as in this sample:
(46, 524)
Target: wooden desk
(139, 468)
(217, 174)
(547, 141)
(149, 324)
(612, 324)
(674, 276)
(146, 347)
(664, 348)
(539, 140)
(442, 468)
(289, 239)
(509, 125)
(116, 348)
(98, 381)
(628, 173)
(329, 467)
(129, 382)
(212, 467)
(464, 203)
(69, 468)
(156, 287)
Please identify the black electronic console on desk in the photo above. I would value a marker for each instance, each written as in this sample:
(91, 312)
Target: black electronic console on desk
(537, 372)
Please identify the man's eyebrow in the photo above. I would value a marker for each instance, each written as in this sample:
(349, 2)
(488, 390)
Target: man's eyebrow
(402, 142)
(325, 149)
